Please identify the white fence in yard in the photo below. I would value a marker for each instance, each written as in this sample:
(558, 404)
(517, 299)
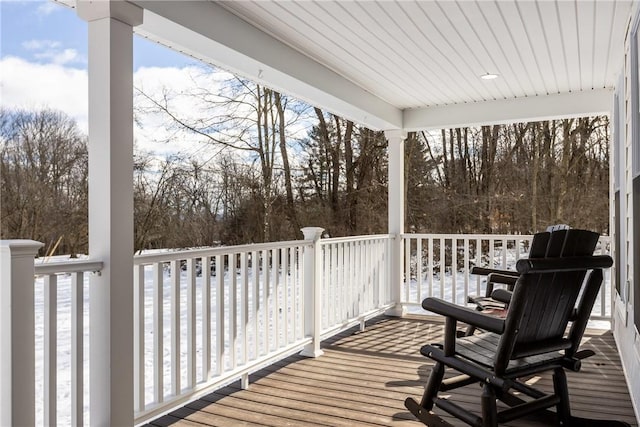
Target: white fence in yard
(204, 318)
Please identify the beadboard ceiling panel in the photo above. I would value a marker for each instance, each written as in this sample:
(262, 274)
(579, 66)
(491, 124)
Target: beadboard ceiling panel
(417, 53)
(411, 64)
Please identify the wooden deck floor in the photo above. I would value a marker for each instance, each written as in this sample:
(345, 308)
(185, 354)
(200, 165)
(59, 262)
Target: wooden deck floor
(364, 377)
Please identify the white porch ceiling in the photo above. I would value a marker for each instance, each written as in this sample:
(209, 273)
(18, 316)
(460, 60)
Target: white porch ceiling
(409, 63)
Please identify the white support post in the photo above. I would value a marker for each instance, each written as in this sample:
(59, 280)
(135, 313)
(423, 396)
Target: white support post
(312, 292)
(396, 190)
(110, 26)
(17, 336)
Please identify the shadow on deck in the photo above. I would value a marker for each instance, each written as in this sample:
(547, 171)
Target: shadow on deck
(364, 377)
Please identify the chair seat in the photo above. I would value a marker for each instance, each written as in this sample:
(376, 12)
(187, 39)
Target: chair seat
(486, 303)
(481, 349)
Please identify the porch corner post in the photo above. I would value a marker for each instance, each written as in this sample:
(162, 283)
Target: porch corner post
(312, 292)
(17, 335)
(396, 192)
(111, 355)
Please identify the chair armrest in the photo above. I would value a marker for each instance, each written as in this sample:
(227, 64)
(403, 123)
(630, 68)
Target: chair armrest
(556, 265)
(502, 295)
(504, 279)
(464, 314)
(482, 271)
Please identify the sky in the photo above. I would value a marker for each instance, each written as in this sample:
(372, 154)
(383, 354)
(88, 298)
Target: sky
(43, 64)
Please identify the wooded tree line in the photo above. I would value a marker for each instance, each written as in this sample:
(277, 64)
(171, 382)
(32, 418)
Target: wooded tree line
(268, 180)
(515, 178)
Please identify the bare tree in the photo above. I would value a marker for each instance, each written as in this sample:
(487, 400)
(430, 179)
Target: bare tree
(43, 167)
(246, 118)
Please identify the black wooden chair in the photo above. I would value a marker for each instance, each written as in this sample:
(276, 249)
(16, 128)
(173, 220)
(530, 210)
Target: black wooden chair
(550, 293)
(497, 299)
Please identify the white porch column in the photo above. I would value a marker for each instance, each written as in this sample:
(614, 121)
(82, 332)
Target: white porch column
(17, 335)
(312, 292)
(396, 139)
(111, 207)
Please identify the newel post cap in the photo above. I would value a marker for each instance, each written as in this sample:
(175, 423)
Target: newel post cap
(312, 233)
(19, 247)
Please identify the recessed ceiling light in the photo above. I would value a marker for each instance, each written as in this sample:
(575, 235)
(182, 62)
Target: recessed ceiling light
(489, 76)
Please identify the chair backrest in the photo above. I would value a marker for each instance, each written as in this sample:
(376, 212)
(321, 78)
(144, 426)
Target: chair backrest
(543, 300)
(540, 241)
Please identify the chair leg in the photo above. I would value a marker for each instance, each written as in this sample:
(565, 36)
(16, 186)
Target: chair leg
(489, 408)
(433, 386)
(469, 331)
(562, 391)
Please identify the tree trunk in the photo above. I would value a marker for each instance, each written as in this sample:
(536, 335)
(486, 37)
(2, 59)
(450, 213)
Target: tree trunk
(291, 208)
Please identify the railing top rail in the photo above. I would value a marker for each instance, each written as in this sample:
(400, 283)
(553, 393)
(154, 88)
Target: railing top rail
(604, 238)
(221, 250)
(75, 266)
(354, 238)
(467, 236)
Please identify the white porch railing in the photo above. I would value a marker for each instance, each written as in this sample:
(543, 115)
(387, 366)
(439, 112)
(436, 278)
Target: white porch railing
(202, 331)
(61, 332)
(355, 276)
(433, 263)
(204, 318)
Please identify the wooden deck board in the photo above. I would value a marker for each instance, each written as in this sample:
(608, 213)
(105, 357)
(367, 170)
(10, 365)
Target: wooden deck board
(364, 377)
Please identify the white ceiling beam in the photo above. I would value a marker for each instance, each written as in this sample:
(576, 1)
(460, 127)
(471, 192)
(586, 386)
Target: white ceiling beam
(526, 109)
(209, 32)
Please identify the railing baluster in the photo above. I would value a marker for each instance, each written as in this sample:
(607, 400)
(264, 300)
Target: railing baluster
(478, 263)
(233, 310)
(345, 293)
(419, 265)
(206, 318)
(265, 300)
(255, 264)
(343, 277)
(361, 291)
(353, 272)
(77, 349)
(285, 292)
(407, 269)
(219, 315)
(293, 256)
(275, 262)
(454, 269)
(328, 277)
(175, 328)
(158, 332)
(504, 254)
(492, 253)
(430, 261)
(443, 266)
(138, 337)
(244, 309)
(466, 271)
(376, 256)
(369, 284)
(191, 323)
(50, 349)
